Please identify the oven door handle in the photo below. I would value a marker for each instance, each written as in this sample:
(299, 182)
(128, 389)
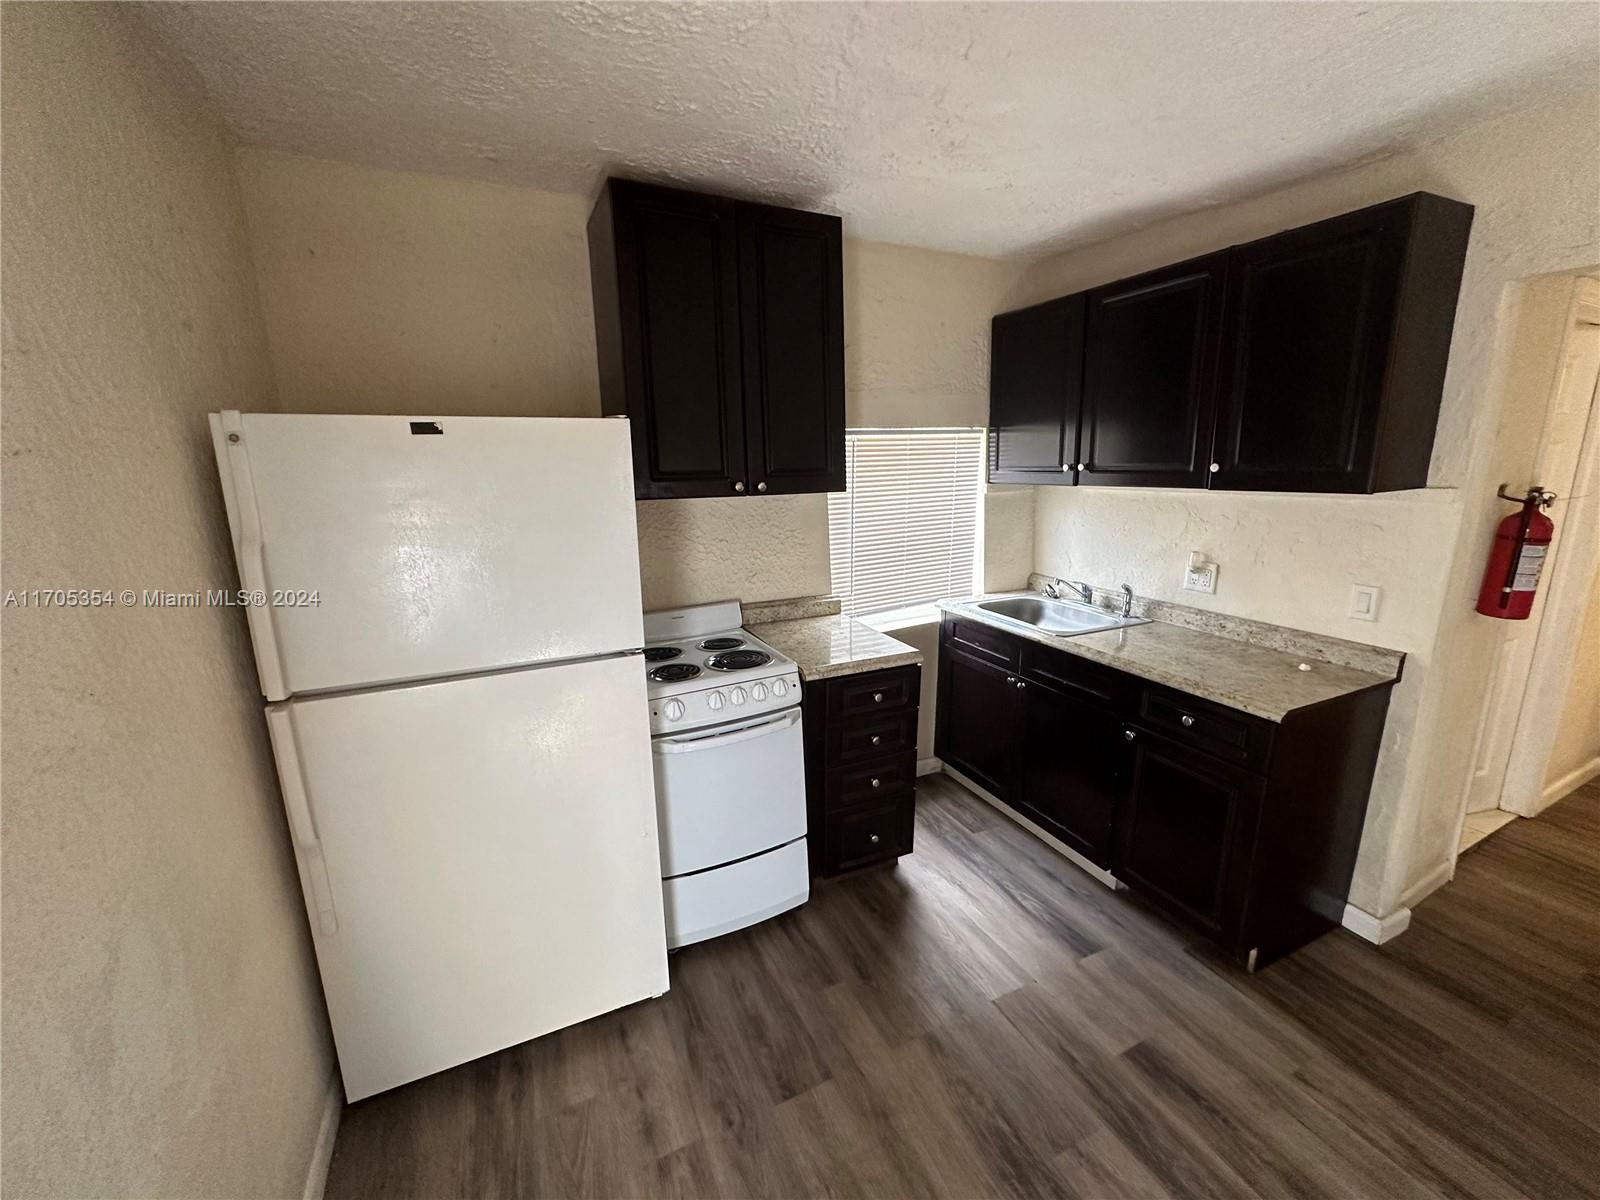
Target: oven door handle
(717, 740)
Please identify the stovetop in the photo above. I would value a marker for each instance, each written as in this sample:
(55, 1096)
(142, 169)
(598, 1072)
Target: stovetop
(702, 669)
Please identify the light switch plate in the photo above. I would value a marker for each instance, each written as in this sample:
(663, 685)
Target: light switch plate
(1364, 599)
(1201, 577)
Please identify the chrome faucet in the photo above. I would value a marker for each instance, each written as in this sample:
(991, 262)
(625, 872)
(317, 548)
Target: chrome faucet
(1127, 601)
(1054, 587)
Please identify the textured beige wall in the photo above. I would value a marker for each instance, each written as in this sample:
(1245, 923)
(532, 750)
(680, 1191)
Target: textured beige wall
(387, 291)
(163, 1029)
(1533, 176)
(1578, 732)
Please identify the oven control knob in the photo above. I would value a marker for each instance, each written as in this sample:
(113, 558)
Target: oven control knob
(714, 701)
(674, 710)
(780, 687)
(759, 692)
(737, 695)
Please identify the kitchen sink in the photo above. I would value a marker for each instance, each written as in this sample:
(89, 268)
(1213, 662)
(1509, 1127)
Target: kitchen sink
(1062, 618)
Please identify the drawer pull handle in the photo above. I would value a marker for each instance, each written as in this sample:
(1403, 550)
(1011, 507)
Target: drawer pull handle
(1188, 721)
(876, 739)
(876, 782)
(874, 839)
(1127, 735)
(877, 697)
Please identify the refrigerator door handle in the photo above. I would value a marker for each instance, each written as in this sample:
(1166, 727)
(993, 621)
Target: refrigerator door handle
(248, 550)
(717, 740)
(302, 825)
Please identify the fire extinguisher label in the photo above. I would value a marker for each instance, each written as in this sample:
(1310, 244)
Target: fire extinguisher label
(1529, 563)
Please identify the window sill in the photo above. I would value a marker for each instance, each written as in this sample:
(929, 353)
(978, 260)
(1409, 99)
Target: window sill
(901, 618)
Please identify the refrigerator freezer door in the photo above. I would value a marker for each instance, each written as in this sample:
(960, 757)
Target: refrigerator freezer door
(479, 859)
(395, 549)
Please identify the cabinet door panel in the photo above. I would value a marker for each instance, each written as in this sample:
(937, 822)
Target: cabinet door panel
(1150, 375)
(677, 284)
(1068, 770)
(1184, 832)
(1035, 389)
(792, 304)
(1306, 345)
(977, 728)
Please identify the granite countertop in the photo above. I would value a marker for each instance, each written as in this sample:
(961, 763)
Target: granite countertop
(825, 647)
(1256, 679)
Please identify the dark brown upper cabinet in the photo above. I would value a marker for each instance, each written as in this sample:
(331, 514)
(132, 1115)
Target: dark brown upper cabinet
(1308, 361)
(1337, 336)
(1149, 376)
(720, 331)
(1034, 390)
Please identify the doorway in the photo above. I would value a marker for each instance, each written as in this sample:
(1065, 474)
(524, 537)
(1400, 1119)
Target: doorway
(1541, 694)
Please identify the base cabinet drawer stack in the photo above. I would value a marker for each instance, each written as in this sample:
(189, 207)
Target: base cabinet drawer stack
(1242, 828)
(861, 767)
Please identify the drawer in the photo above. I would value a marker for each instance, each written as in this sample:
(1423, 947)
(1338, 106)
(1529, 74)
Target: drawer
(870, 834)
(1225, 732)
(872, 736)
(1077, 677)
(849, 786)
(983, 641)
(874, 692)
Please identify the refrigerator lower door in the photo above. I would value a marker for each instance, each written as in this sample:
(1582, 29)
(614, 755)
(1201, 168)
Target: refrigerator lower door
(388, 549)
(479, 858)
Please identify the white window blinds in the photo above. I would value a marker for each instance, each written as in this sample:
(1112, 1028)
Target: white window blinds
(907, 531)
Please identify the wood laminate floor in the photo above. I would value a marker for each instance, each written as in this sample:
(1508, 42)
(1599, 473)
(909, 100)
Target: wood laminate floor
(984, 1020)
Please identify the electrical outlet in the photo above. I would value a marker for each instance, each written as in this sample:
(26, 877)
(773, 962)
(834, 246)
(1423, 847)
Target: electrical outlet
(1200, 577)
(1364, 599)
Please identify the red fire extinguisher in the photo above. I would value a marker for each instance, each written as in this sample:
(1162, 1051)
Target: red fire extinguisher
(1520, 544)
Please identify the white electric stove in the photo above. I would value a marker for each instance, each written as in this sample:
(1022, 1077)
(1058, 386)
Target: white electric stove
(729, 772)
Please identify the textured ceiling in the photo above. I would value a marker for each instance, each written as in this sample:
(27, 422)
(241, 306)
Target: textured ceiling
(998, 129)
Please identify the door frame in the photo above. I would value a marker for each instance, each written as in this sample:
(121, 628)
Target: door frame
(1542, 649)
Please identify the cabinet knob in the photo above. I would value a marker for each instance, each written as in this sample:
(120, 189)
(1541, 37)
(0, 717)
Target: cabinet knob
(1215, 467)
(1011, 678)
(876, 739)
(1021, 684)
(738, 485)
(1188, 721)
(877, 782)
(1083, 466)
(874, 839)
(762, 486)
(877, 697)
(1127, 735)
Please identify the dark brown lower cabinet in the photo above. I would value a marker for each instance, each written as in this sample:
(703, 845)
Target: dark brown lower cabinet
(1187, 824)
(1244, 829)
(980, 699)
(861, 768)
(1067, 771)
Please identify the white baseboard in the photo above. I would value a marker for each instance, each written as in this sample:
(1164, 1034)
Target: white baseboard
(1567, 784)
(929, 766)
(1100, 874)
(327, 1131)
(1428, 884)
(1376, 930)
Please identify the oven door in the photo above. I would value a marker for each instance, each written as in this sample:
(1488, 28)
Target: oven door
(728, 792)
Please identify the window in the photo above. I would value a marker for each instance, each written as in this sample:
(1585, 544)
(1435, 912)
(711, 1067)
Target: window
(908, 529)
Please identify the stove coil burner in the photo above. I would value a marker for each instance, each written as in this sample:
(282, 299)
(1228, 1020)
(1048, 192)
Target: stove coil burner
(661, 653)
(674, 672)
(738, 660)
(722, 643)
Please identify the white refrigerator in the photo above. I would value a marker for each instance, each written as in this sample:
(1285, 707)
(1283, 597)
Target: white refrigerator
(449, 647)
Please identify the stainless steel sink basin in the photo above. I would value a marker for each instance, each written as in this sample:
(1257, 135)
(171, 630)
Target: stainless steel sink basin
(1061, 618)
